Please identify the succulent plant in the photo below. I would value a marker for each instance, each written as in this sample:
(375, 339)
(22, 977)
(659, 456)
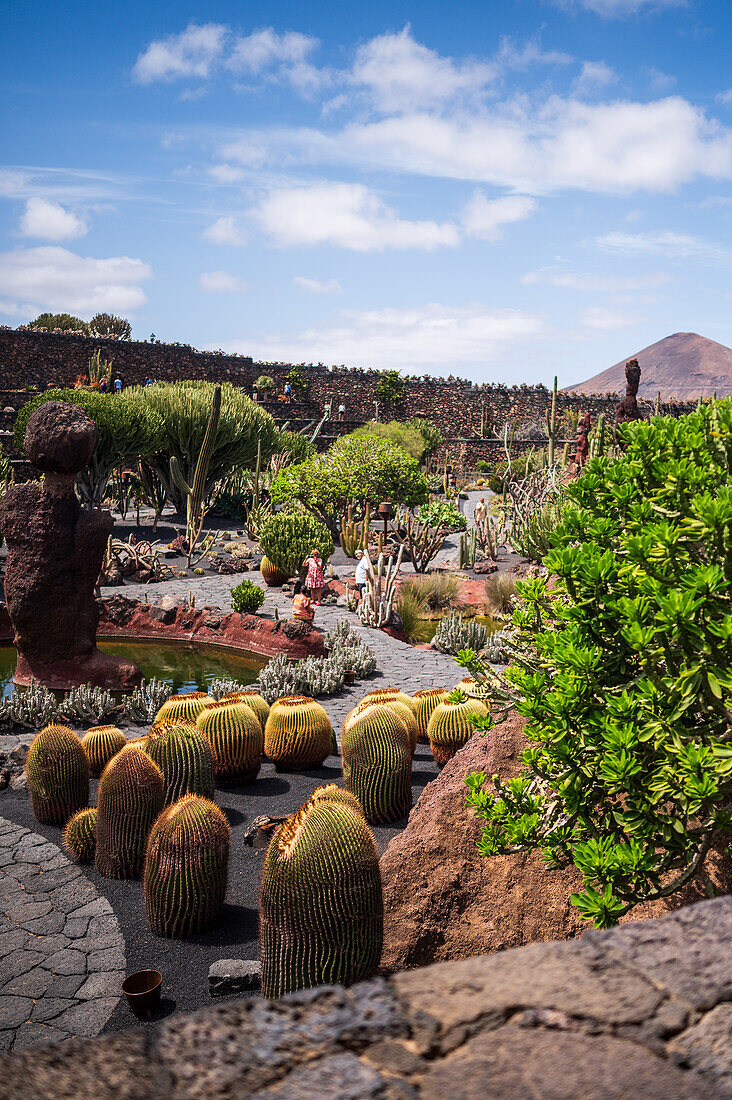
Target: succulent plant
(298, 733)
(186, 867)
(271, 575)
(130, 797)
(101, 743)
(321, 910)
(235, 735)
(87, 703)
(58, 775)
(185, 758)
(474, 689)
(402, 705)
(32, 707)
(183, 708)
(144, 702)
(252, 698)
(80, 835)
(450, 726)
(376, 756)
(455, 632)
(425, 702)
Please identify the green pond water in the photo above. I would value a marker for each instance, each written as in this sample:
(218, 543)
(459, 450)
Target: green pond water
(427, 629)
(184, 667)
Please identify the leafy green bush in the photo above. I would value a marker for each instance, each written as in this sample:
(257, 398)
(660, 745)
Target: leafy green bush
(390, 388)
(297, 446)
(355, 470)
(106, 324)
(443, 514)
(288, 537)
(65, 321)
(247, 597)
(627, 685)
(265, 383)
(299, 381)
(430, 433)
(409, 439)
(129, 430)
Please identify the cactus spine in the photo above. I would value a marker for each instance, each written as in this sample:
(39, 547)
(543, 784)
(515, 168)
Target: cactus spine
(450, 726)
(58, 775)
(101, 743)
(400, 703)
(80, 835)
(185, 758)
(195, 493)
(253, 699)
(130, 797)
(376, 756)
(321, 911)
(235, 735)
(183, 708)
(425, 702)
(298, 733)
(186, 867)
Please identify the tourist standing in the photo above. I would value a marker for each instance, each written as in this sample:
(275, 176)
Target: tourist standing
(314, 581)
(362, 573)
(341, 411)
(288, 391)
(118, 384)
(481, 511)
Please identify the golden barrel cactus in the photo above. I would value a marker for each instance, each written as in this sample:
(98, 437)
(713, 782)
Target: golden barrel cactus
(321, 912)
(376, 757)
(80, 835)
(183, 708)
(401, 704)
(131, 795)
(253, 699)
(235, 735)
(58, 775)
(425, 702)
(185, 758)
(101, 743)
(298, 733)
(450, 726)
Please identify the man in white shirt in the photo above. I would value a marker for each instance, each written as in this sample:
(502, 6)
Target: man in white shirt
(362, 572)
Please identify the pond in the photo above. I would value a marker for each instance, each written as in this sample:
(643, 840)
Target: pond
(184, 667)
(426, 629)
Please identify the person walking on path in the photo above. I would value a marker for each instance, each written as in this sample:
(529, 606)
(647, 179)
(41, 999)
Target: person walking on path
(118, 384)
(288, 391)
(481, 511)
(341, 411)
(362, 572)
(314, 581)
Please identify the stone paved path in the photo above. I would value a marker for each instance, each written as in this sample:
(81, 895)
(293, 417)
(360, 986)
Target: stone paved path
(62, 954)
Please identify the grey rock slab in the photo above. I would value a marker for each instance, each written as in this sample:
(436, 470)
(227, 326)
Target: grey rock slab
(12, 941)
(37, 853)
(105, 983)
(66, 962)
(20, 962)
(707, 1047)
(87, 1018)
(340, 1077)
(65, 986)
(50, 880)
(102, 924)
(68, 898)
(107, 942)
(48, 925)
(28, 910)
(7, 1038)
(92, 908)
(33, 1033)
(106, 960)
(75, 927)
(58, 860)
(33, 983)
(230, 976)
(14, 1010)
(48, 1007)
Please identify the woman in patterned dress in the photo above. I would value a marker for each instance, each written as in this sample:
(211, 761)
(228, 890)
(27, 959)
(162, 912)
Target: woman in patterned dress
(314, 581)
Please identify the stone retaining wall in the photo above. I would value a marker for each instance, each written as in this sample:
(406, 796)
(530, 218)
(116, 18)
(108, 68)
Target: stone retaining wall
(643, 1010)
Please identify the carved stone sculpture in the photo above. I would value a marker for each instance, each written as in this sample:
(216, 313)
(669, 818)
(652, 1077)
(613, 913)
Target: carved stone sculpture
(627, 409)
(55, 553)
(583, 431)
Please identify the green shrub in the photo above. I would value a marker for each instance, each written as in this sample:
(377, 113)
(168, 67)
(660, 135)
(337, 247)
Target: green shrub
(265, 383)
(627, 684)
(297, 447)
(299, 381)
(390, 388)
(500, 590)
(431, 434)
(247, 597)
(408, 438)
(533, 533)
(288, 537)
(64, 321)
(411, 609)
(436, 591)
(106, 324)
(443, 514)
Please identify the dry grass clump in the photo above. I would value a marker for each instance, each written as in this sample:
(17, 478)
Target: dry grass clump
(500, 590)
(411, 608)
(437, 591)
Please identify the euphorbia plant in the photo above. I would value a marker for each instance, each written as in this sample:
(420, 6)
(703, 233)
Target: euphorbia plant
(627, 682)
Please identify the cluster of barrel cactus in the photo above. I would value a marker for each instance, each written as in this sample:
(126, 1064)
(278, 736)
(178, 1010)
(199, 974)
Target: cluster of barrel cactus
(376, 756)
(131, 795)
(80, 835)
(402, 705)
(58, 775)
(425, 702)
(451, 725)
(321, 909)
(234, 731)
(185, 758)
(183, 708)
(298, 733)
(101, 743)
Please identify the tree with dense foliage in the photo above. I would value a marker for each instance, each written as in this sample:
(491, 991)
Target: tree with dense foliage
(287, 538)
(297, 447)
(355, 470)
(64, 321)
(129, 430)
(389, 389)
(106, 324)
(626, 679)
(409, 439)
(429, 431)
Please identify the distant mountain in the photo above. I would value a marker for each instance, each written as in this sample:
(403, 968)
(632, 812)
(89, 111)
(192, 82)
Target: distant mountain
(683, 367)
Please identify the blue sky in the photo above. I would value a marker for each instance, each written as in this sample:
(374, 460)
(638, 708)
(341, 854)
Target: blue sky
(503, 190)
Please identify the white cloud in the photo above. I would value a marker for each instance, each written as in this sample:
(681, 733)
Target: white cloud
(434, 336)
(600, 319)
(193, 52)
(317, 286)
(52, 278)
(226, 230)
(12, 183)
(265, 48)
(661, 82)
(485, 218)
(50, 221)
(725, 97)
(347, 215)
(619, 8)
(607, 284)
(674, 246)
(226, 173)
(511, 56)
(400, 74)
(594, 76)
(221, 282)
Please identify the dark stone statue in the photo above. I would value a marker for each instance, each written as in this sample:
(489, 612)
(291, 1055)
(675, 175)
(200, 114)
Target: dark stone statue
(583, 431)
(55, 553)
(627, 409)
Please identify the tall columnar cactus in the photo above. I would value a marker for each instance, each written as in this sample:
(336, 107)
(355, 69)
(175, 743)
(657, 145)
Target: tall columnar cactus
(130, 797)
(425, 702)
(186, 867)
(253, 699)
(298, 733)
(400, 703)
(376, 756)
(58, 775)
(196, 492)
(185, 758)
(321, 914)
(101, 743)
(183, 708)
(551, 426)
(450, 726)
(354, 534)
(235, 735)
(80, 835)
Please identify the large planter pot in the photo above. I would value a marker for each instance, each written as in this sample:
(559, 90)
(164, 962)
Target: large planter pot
(272, 576)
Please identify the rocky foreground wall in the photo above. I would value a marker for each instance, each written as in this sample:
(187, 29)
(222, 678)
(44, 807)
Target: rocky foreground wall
(641, 1011)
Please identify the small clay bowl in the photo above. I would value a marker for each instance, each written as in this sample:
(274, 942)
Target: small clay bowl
(142, 991)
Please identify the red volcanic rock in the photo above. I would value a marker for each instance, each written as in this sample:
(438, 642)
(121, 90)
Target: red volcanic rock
(60, 438)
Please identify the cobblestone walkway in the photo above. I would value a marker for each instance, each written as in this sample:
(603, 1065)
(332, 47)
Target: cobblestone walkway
(61, 950)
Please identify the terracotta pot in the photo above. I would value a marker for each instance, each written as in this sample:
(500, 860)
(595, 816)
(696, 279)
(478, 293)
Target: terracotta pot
(271, 575)
(142, 991)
